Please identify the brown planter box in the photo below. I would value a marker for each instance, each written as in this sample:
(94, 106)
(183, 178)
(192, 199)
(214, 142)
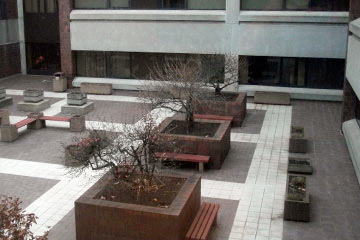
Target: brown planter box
(297, 143)
(297, 210)
(106, 220)
(235, 109)
(216, 147)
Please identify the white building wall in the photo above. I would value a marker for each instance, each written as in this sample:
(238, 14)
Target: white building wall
(353, 59)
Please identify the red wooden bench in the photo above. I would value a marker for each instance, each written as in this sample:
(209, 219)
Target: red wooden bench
(213, 117)
(24, 122)
(181, 157)
(203, 221)
(55, 118)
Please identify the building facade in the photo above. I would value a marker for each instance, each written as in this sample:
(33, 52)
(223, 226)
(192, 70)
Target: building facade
(283, 45)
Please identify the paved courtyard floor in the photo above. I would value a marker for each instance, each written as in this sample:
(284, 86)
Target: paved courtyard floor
(250, 187)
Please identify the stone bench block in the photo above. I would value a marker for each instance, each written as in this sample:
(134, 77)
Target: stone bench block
(76, 98)
(77, 123)
(8, 133)
(96, 88)
(276, 98)
(33, 96)
(38, 124)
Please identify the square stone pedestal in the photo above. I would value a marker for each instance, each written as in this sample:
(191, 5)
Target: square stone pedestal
(33, 107)
(5, 101)
(8, 133)
(4, 117)
(77, 110)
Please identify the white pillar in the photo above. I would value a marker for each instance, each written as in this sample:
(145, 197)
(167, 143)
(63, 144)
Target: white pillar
(21, 35)
(232, 11)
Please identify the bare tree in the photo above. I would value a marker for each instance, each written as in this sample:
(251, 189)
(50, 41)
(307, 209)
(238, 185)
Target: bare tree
(221, 71)
(15, 224)
(133, 151)
(176, 84)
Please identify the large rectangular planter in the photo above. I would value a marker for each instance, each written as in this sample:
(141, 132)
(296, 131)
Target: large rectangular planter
(297, 143)
(217, 147)
(297, 210)
(107, 220)
(96, 88)
(235, 108)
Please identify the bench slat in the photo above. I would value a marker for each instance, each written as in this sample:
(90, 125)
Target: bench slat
(54, 118)
(211, 221)
(205, 222)
(25, 122)
(183, 157)
(197, 222)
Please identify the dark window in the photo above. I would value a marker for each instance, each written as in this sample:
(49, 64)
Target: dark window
(43, 58)
(3, 9)
(40, 6)
(292, 72)
(357, 111)
(150, 4)
(297, 5)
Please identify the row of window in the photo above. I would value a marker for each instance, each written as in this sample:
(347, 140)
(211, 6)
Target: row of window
(306, 5)
(271, 71)
(41, 6)
(150, 4)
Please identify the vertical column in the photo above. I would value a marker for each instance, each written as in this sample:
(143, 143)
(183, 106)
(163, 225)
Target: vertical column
(232, 11)
(349, 98)
(67, 56)
(20, 8)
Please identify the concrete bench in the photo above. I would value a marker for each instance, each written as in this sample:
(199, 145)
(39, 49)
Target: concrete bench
(276, 98)
(4, 117)
(10, 133)
(204, 220)
(201, 160)
(214, 117)
(96, 88)
(77, 123)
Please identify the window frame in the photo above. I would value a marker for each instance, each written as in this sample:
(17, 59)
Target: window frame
(3, 11)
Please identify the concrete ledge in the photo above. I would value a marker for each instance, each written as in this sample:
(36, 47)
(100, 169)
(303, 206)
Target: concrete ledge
(351, 132)
(294, 16)
(33, 107)
(149, 15)
(6, 101)
(78, 110)
(96, 88)
(354, 27)
(272, 98)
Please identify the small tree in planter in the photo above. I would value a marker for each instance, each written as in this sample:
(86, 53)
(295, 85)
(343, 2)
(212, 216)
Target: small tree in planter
(15, 224)
(220, 72)
(134, 187)
(177, 85)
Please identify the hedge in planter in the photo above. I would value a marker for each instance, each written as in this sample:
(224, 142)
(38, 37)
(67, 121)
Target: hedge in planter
(297, 143)
(297, 201)
(134, 200)
(299, 166)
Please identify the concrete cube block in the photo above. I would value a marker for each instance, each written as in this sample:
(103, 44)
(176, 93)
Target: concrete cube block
(6, 101)
(77, 123)
(8, 133)
(38, 124)
(4, 117)
(77, 110)
(33, 96)
(76, 99)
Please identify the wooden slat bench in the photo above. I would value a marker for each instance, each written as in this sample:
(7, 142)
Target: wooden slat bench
(25, 122)
(213, 117)
(203, 221)
(181, 157)
(55, 118)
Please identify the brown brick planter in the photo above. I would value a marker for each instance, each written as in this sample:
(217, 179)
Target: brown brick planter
(100, 219)
(217, 147)
(297, 143)
(236, 108)
(297, 209)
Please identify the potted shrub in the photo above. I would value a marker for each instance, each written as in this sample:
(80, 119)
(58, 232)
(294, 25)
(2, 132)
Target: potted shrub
(297, 201)
(134, 200)
(219, 73)
(298, 142)
(178, 83)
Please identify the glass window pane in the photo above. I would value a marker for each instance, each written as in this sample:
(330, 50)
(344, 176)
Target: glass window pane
(146, 4)
(42, 6)
(174, 4)
(93, 4)
(297, 4)
(261, 4)
(206, 4)
(91, 64)
(119, 3)
(119, 65)
(34, 6)
(50, 6)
